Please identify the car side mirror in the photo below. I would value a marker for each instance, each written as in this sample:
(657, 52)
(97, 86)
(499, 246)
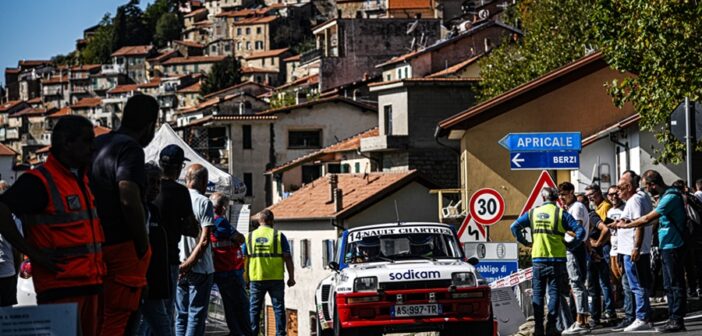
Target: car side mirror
(473, 261)
(334, 265)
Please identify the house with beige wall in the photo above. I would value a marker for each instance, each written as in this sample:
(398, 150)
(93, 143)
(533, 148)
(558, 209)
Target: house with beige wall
(190, 65)
(253, 34)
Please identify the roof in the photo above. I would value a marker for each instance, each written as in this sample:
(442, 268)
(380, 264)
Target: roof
(163, 55)
(268, 53)
(255, 20)
(60, 113)
(195, 12)
(153, 83)
(409, 4)
(29, 112)
(250, 70)
(624, 123)
(35, 100)
(194, 59)
(55, 80)
(460, 81)
(360, 191)
(190, 44)
(456, 67)
(12, 70)
(87, 102)
(233, 117)
(32, 63)
(307, 80)
(441, 44)
(133, 51)
(10, 105)
(97, 130)
(295, 58)
(524, 93)
(346, 145)
(333, 99)
(236, 86)
(6, 151)
(86, 67)
(195, 88)
(124, 88)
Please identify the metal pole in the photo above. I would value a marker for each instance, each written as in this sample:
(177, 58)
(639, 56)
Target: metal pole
(689, 135)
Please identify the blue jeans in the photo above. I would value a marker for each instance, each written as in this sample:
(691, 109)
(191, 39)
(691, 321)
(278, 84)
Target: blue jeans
(638, 274)
(236, 304)
(547, 274)
(170, 303)
(154, 318)
(599, 286)
(629, 308)
(674, 282)
(192, 302)
(577, 273)
(276, 290)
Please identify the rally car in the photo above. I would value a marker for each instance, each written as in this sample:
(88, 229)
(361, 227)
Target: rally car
(403, 277)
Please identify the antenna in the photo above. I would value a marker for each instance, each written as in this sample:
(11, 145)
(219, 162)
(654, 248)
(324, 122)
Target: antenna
(397, 213)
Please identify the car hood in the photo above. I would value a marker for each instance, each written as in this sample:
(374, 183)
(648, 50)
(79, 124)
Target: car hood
(406, 270)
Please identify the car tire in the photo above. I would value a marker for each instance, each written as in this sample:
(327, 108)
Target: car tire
(485, 328)
(338, 330)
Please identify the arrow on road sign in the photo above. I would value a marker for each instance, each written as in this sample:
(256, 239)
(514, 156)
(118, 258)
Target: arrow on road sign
(516, 160)
(544, 141)
(544, 160)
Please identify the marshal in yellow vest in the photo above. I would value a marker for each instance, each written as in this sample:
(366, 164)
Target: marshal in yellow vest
(265, 252)
(547, 232)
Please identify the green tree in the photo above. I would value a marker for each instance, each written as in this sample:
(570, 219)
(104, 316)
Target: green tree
(99, 46)
(129, 27)
(155, 11)
(659, 41)
(222, 75)
(168, 29)
(69, 59)
(556, 32)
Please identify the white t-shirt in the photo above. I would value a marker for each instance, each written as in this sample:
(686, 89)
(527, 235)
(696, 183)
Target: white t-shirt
(637, 206)
(204, 214)
(699, 195)
(579, 212)
(7, 257)
(614, 214)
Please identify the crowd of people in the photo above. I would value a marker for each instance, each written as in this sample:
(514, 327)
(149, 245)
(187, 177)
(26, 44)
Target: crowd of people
(134, 249)
(593, 252)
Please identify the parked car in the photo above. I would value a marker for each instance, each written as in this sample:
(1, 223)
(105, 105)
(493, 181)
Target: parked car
(403, 277)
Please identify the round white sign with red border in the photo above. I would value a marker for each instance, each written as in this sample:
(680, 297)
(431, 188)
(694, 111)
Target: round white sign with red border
(486, 206)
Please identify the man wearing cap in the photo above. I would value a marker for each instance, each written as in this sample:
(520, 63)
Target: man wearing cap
(549, 225)
(176, 212)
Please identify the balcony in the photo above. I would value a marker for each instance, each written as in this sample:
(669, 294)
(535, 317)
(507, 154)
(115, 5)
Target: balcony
(113, 69)
(384, 143)
(12, 134)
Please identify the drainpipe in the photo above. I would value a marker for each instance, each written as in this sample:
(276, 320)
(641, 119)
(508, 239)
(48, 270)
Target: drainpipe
(625, 145)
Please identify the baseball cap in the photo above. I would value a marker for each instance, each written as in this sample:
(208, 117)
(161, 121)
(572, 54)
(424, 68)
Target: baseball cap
(172, 154)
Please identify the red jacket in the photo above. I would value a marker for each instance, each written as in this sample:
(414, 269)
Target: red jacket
(68, 228)
(226, 254)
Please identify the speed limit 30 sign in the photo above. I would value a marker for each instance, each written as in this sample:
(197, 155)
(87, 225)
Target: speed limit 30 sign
(486, 206)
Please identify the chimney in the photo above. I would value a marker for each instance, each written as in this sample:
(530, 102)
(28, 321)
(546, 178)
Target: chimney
(333, 182)
(338, 200)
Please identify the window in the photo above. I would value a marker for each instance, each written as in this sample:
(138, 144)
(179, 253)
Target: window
(305, 139)
(311, 173)
(238, 31)
(227, 47)
(196, 67)
(259, 45)
(305, 253)
(246, 136)
(248, 45)
(333, 168)
(258, 30)
(291, 243)
(387, 110)
(248, 31)
(345, 168)
(248, 181)
(357, 167)
(327, 252)
(313, 324)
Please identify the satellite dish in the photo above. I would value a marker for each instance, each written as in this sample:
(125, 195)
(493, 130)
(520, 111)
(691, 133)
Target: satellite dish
(412, 27)
(484, 14)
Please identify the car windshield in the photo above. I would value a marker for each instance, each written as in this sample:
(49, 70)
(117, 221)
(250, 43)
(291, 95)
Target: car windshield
(393, 246)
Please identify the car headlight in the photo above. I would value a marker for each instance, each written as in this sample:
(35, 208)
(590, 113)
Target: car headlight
(463, 279)
(365, 284)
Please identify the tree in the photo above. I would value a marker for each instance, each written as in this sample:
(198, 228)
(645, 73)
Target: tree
(69, 59)
(168, 29)
(129, 27)
(658, 41)
(99, 47)
(222, 75)
(155, 12)
(556, 32)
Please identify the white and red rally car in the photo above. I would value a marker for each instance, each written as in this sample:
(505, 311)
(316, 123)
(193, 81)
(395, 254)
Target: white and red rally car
(403, 277)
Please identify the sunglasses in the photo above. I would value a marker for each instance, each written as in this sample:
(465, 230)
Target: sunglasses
(612, 194)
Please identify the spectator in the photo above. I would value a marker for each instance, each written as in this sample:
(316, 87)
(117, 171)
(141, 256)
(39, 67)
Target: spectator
(577, 258)
(635, 246)
(153, 306)
(176, 214)
(9, 257)
(601, 205)
(229, 263)
(671, 215)
(67, 261)
(692, 271)
(616, 260)
(265, 271)
(698, 189)
(598, 279)
(196, 268)
(118, 180)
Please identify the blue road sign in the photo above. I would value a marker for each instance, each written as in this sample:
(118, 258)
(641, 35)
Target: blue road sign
(564, 160)
(539, 142)
(493, 270)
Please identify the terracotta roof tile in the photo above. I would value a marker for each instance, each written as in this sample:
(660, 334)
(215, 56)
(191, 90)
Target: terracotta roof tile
(250, 70)
(60, 113)
(29, 112)
(12, 70)
(86, 67)
(195, 88)
(295, 58)
(195, 12)
(190, 44)
(164, 55)
(307, 80)
(429, 80)
(236, 86)
(245, 117)
(133, 51)
(456, 67)
(87, 102)
(55, 80)
(6, 151)
(409, 4)
(35, 100)
(346, 145)
(360, 190)
(268, 53)
(33, 63)
(194, 59)
(10, 105)
(124, 88)
(255, 20)
(153, 83)
(320, 101)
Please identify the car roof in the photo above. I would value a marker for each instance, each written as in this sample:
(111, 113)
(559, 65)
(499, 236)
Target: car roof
(403, 224)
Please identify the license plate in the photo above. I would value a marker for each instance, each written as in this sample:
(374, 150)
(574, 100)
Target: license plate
(416, 310)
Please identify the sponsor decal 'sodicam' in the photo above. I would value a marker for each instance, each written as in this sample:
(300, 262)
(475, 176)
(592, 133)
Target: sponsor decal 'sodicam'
(412, 275)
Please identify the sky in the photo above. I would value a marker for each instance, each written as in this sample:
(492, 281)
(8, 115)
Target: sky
(39, 29)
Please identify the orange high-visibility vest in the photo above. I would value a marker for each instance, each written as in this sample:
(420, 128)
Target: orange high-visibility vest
(68, 229)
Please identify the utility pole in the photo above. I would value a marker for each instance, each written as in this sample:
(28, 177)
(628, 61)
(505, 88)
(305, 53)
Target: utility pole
(690, 138)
